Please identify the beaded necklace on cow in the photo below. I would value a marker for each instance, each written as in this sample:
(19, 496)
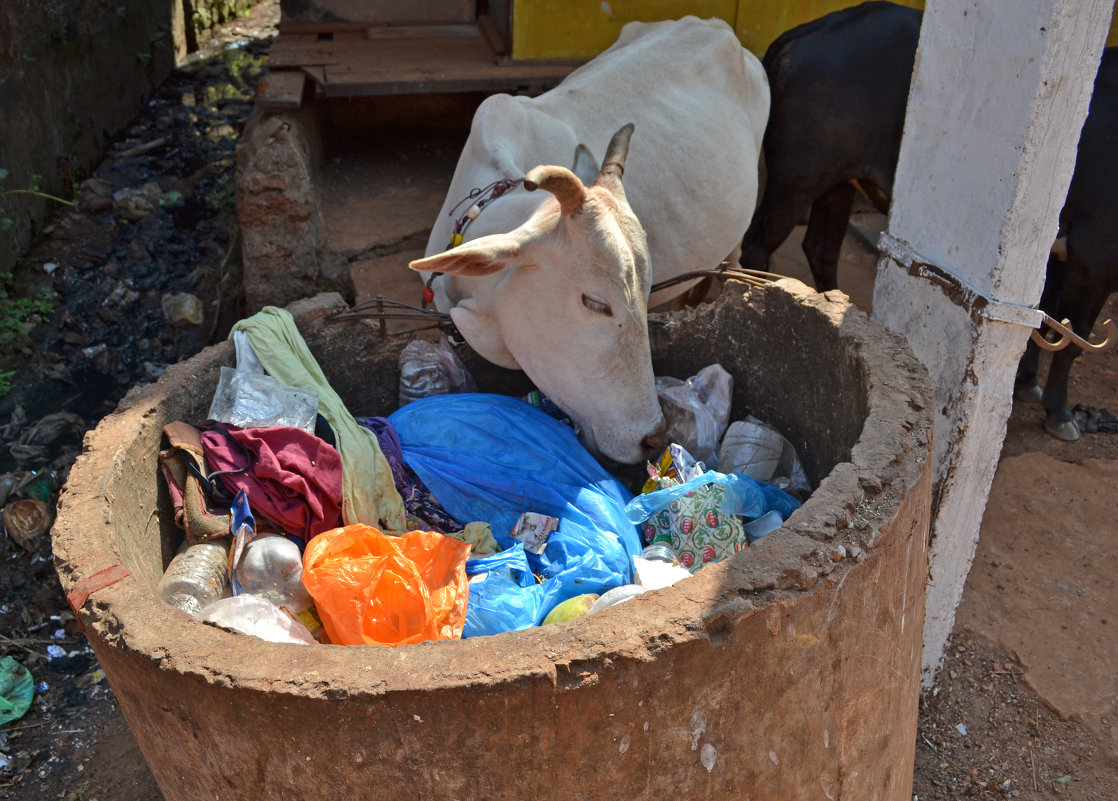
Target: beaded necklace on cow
(487, 195)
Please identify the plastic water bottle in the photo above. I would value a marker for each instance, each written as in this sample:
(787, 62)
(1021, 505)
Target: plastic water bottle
(272, 568)
(196, 577)
(659, 552)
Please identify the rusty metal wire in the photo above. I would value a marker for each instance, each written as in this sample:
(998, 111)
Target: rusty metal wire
(384, 309)
(1069, 337)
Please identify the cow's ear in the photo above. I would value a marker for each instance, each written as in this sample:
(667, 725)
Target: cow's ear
(484, 256)
(585, 166)
(481, 331)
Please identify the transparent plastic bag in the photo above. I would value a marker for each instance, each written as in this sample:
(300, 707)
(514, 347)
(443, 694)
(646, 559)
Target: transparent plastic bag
(618, 595)
(697, 410)
(255, 615)
(756, 449)
(252, 400)
(431, 368)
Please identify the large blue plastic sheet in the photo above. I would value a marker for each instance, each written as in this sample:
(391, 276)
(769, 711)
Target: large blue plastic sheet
(492, 458)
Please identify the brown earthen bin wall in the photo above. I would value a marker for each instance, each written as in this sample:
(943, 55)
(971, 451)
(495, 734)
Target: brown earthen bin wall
(789, 672)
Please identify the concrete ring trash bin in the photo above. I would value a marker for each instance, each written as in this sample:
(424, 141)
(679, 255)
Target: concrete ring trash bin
(791, 671)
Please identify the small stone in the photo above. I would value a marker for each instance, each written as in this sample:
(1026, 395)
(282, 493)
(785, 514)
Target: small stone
(137, 251)
(182, 308)
(707, 755)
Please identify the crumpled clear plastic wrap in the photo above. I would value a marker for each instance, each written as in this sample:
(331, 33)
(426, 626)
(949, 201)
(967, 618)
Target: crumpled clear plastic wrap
(253, 400)
(252, 614)
(431, 368)
(697, 410)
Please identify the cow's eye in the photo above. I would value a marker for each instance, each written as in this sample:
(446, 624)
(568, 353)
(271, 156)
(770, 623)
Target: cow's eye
(596, 305)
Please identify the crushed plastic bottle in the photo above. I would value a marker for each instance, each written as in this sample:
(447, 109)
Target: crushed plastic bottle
(272, 568)
(196, 577)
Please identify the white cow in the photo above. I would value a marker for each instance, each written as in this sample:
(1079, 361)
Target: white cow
(556, 283)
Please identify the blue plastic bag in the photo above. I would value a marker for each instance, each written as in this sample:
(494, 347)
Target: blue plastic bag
(745, 496)
(492, 457)
(504, 595)
(702, 518)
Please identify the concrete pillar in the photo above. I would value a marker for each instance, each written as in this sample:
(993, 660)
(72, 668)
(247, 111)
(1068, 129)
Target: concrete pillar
(999, 94)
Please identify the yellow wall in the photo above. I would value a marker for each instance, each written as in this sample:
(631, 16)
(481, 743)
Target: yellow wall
(580, 29)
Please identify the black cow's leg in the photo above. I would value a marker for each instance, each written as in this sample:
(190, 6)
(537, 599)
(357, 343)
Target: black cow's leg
(1081, 303)
(1025, 386)
(777, 215)
(830, 215)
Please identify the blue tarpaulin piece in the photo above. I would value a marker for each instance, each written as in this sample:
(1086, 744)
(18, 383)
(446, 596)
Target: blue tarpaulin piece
(492, 458)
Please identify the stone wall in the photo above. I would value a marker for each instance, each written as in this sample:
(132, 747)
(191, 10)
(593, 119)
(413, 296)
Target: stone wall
(72, 75)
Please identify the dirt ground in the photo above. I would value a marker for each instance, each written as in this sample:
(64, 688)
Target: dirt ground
(1023, 707)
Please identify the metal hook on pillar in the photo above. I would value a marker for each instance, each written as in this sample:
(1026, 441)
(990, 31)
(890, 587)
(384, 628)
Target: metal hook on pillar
(1069, 337)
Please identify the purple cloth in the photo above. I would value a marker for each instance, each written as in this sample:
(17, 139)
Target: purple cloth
(419, 503)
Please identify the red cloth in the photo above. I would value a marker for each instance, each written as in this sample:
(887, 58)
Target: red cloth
(294, 479)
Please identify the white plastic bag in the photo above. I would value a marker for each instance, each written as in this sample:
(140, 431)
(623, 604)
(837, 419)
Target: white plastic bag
(697, 410)
(758, 450)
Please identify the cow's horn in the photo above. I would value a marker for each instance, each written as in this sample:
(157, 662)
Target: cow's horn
(560, 182)
(613, 166)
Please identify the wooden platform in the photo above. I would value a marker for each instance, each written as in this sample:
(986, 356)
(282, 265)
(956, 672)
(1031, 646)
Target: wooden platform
(356, 60)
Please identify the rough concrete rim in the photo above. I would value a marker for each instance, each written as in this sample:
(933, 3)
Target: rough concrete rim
(832, 532)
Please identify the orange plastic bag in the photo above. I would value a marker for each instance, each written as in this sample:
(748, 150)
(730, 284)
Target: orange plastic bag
(370, 588)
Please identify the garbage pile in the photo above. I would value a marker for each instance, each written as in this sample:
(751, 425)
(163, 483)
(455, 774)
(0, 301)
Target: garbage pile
(461, 514)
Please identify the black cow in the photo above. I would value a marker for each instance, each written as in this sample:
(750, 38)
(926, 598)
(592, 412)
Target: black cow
(839, 91)
(1078, 288)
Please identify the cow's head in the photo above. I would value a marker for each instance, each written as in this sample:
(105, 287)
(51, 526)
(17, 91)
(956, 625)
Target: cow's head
(564, 297)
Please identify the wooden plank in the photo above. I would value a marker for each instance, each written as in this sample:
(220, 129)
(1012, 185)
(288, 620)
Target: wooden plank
(406, 61)
(492, 35)
(357, 80)
(309, 51)
(317, 74)
(422, 32)
(299, 50)
(281, 89)
(382, 11)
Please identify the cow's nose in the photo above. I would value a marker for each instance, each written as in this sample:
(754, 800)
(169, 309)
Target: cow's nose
(656, 440)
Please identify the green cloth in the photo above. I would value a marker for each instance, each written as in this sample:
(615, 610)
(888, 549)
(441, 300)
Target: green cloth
(17, 688)
(369, 494)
